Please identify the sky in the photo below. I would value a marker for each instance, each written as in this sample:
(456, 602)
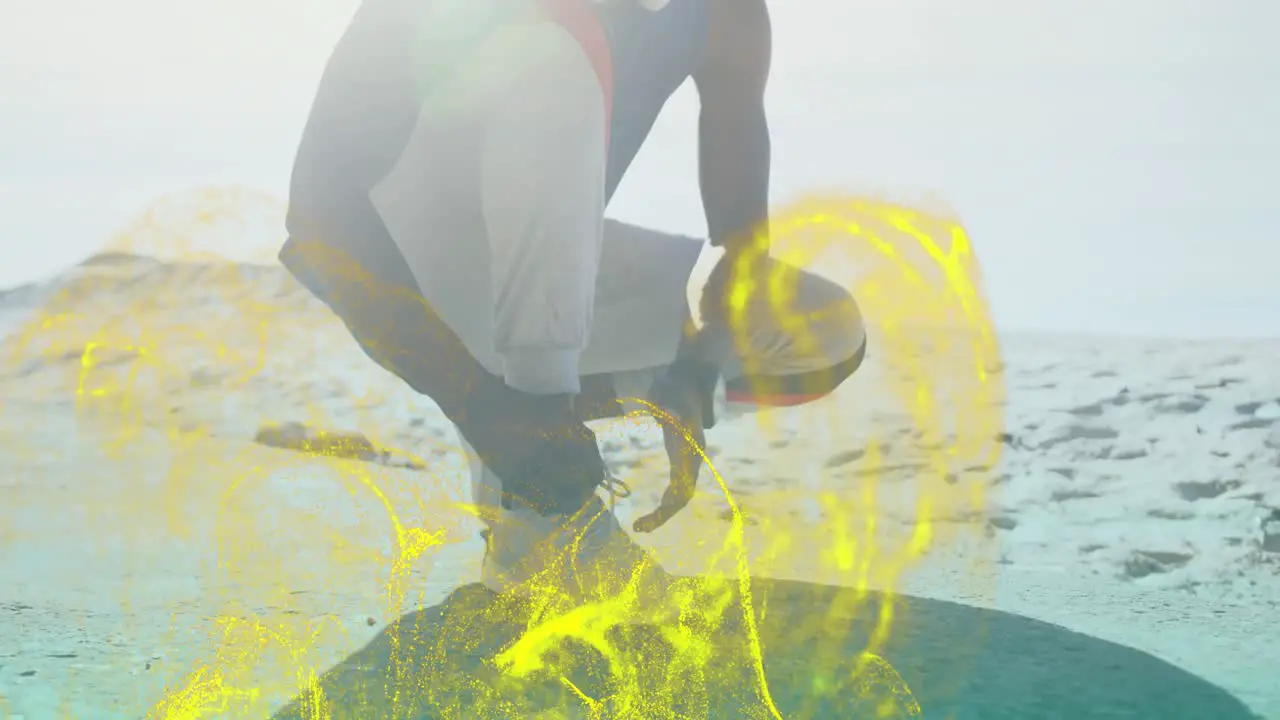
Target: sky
(1115, 163)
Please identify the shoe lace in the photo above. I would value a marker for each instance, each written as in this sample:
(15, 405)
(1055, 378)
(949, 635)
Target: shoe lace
(616, 489)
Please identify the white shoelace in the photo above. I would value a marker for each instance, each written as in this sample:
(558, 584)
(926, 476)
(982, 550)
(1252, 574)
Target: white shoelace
(616, 489)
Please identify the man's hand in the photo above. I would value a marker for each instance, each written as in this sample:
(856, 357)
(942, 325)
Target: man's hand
(545, 455)
(685, 392)
(683, 395)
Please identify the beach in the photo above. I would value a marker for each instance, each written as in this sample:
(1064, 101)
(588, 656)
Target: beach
(152, 536)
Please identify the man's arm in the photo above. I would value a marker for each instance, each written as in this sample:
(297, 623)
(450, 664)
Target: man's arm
(733, 133)
(733, 170)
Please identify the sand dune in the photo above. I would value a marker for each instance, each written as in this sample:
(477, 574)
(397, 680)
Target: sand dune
(1136, 497)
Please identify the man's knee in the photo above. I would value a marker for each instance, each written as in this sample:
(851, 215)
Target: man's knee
(783, 298)
(828, 313)
(810, 339)
(785, 390)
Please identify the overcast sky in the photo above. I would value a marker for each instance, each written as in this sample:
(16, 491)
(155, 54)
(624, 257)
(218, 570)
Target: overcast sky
(1117, 166)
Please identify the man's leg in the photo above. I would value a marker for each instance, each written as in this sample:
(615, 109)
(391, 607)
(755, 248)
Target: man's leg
(640, 311)
(790, 345)
(536, 223)
(427, 316)
(795, 352)
(794, 345)
(779, 351)
(796, 340)
(356, 270)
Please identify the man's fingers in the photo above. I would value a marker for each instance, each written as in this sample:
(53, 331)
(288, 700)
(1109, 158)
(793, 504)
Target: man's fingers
(657, 518)
(673, 501)
(651, 522)
(684, 438)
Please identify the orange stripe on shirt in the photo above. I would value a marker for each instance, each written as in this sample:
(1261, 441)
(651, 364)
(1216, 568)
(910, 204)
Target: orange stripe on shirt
(583, 24)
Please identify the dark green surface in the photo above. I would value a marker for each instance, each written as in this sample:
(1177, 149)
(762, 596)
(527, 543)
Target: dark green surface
(959, 662)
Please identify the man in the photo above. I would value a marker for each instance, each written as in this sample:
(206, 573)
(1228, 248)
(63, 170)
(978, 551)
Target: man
(448, 201)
